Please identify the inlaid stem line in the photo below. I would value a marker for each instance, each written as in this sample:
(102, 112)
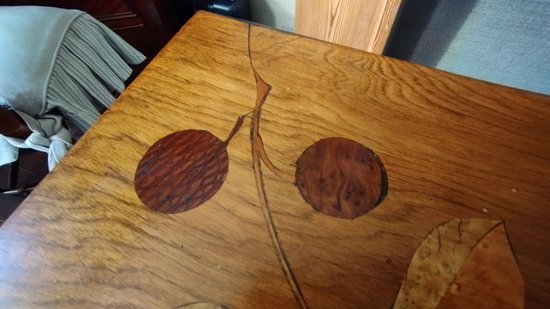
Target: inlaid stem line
(258, 156)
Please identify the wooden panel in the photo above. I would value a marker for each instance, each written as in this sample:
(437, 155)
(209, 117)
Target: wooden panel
(356, 23)
(452, 147)
(159, 25)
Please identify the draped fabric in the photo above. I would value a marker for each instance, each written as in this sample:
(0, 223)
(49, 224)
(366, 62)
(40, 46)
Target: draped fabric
(58, 59)
(48, 135)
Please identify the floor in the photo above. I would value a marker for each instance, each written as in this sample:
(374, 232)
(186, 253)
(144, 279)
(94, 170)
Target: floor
(33, 167)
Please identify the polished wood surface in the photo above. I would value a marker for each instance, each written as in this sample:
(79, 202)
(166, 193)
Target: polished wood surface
(360, 24)
(464, 263)
(490, 278)
(340, 177)
(181, 171)
(452, 147)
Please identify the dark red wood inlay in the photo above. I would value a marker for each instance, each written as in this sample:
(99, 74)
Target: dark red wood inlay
(181, 171)
(340, 178)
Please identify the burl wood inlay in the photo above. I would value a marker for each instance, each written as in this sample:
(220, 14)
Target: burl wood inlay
(463, 263)
(340, 178)
(181, 171)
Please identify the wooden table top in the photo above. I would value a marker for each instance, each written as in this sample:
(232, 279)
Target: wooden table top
(452, 147)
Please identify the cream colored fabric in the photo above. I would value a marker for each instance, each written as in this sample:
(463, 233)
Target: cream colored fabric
(48, 135)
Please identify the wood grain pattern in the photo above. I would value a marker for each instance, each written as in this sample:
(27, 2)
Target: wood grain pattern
(181, 171)
(360, 24)
(454, 267)
(452, 147)
(340, 178)
(490, 278)
(259, 156)
(201, 305)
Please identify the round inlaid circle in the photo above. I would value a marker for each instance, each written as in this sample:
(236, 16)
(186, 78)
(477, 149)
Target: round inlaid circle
(340, 178)
(181, 171)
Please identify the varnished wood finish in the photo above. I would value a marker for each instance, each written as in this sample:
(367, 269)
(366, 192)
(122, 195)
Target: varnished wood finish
(360, 24)
(339, 177)
(259, 157)
(465, 263)
(201, 305)
(452, 147)
(181, 171)
(490, 278)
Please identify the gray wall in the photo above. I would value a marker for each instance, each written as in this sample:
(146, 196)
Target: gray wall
(274, 13)
(502, 41)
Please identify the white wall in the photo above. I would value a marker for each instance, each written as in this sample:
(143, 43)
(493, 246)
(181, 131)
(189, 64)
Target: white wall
(274, 13)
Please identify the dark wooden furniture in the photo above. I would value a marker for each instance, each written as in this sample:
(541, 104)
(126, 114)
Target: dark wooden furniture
(12, 125)
(146, 24)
